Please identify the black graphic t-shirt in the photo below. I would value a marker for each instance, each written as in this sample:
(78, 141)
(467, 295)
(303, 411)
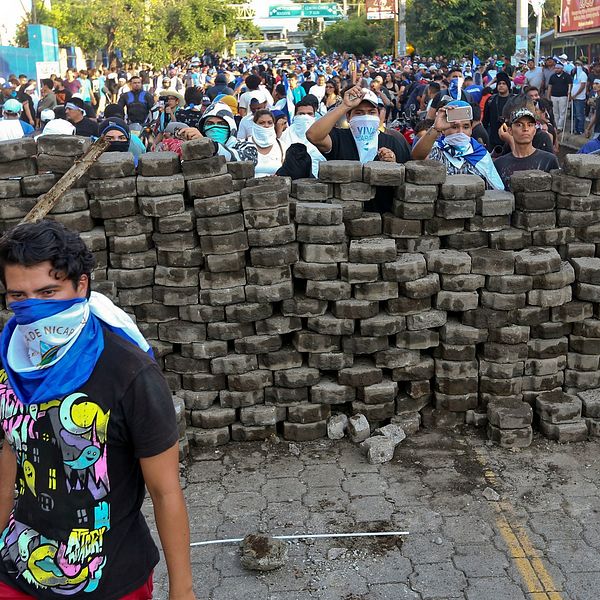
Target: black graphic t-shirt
(538, 161)
(76, 529)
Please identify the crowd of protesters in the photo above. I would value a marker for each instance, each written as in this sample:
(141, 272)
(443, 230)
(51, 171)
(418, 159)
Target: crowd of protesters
(484, 117)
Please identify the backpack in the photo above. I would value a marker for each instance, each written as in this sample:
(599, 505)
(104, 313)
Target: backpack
(137, 107)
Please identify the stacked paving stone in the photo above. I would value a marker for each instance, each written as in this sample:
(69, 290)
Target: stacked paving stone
(279, 307)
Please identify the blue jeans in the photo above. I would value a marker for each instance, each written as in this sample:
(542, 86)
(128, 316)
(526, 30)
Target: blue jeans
(579, 115)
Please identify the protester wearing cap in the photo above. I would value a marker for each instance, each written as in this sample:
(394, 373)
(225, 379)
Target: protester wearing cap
(593, 128)
(76, 114)
(452, 143)
(524, 156)
(362, 140)
(559, 92)
(169, 104)
(578, 95)
(494, 107)
(11, 127)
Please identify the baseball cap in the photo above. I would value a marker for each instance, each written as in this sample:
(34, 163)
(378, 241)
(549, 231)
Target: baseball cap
(47, 115)
(12, 106)
(7, 86)
(520, 113)
(206, 101)
(369, 96)
(174, 126)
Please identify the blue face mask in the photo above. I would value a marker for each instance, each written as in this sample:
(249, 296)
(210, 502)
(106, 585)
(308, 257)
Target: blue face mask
(218, 132)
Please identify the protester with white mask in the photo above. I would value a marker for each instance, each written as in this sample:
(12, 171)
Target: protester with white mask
(296, 133)
(271, 151)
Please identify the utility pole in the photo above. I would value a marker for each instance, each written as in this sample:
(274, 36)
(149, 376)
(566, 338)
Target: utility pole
(522, 30)
(33, 12)
(402, 28)
(538, 10)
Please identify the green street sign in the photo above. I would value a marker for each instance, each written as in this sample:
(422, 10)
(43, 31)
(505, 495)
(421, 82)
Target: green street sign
(329, 10)
(285, 12)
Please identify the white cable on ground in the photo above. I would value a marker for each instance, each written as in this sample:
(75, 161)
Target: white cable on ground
(307, 536)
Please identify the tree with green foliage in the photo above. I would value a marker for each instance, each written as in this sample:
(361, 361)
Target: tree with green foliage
(358, 36)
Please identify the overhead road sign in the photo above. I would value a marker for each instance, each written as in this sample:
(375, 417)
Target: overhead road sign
(328, 10)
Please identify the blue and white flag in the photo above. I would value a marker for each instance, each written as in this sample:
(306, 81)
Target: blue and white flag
(476, 61)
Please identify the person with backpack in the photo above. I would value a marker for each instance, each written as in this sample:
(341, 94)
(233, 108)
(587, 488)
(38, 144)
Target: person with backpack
(136, 102)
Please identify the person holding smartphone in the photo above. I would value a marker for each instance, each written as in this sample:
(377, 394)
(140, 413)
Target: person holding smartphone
(450, 141)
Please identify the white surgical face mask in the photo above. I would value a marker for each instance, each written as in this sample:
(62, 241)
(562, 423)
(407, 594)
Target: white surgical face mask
(301, 124)
(365, 129)
(459, 140)
(263, 136)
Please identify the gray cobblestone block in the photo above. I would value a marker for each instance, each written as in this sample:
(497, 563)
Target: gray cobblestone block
(340, 171)
(306, 341)
(285, 396)
(462, 187)
(286, 358)
(359, 272)
(304, 432)
(94, 239)
(275, 292)
(401, 228)
(362, 373)
(567, 185)
(457, 301)
(545, 366)
(175, 276)
(213, 417)
(263, 197)
(372, 250)
(571, 218)
(467, 240)
(558, 279)
(136, 225)
(375, 413)
(406, 267)
(314, 270)
(510, 414)
(209, 438)
(418, 340)
(443, 227)
(579, 203)
(220, 263)
(511, 334)
(175, 296)
(191, 257)
(501, 387)
(327, 324)
(176, 223)
(454, 352)
(382, 392)
(218, 205)
(274, 256)
(496, 370)
(161, 206)
(469, 282)
(16, 208)
(54, 164)
(537, 261)
(565, 432)
(354, 192)
(408, 306)
(548, 331)
(278, 325)
(273, 236)
(582, 165)
(262, 275)
(495, 203)
(459, 403)
(134, 296)
(421, 288)
(71, 201)
(136, 260)
(355, 309)
(553, 237)
(14, 150)
(222, 244)
(34, 185)
(531, 181)
(321, 234)
(175, 241)
(510, 239)
(504, 353)
(204, 168)
(591, 403)
(113, 209)
(364, 344)
(262, 415)
(534, 221)
(417, 194)
(430, 319)
(382, 325)
(587, 291)
(182, 332)
(397, 358)
(198, 400)
(383, 174)
(454, 332)
(159, 164)
(531, 315)
(324, 253)
(413, 210)
(262, 219)
(448, 261)
(63, 145)
(511, 438)
(272, 182)
(425, 172)
(376, 291)
(578, 380)
(109, 189)
(234, 364)
(11, 188)
(587, 270)
(421, 371)
(455, 209)
(242, 433)
(311, 190)
(253, 380)
(498, 301)
(156, 313)
(588, 328)
(302, 306)
(296, 378)
(328, 290)
(203, 382)
(590, 233)
(197, 149)
(258, 344)
(230, 399)
(484, 318)
(366, 225)
(184, 364)
(579, 250)
(228, 331)
(582, 362)
(318, 213)
(208, 187)
(79, 221)
(540, 348)
(535, 201)
(18, 168)
(549, 298)
(220, 225)
(488, 224)
(330, 361)
(247, 312)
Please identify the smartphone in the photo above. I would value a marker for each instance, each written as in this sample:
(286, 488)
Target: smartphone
(460, 113)
(161, 103)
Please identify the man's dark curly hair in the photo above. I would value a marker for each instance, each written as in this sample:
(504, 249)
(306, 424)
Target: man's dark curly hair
(33, 243)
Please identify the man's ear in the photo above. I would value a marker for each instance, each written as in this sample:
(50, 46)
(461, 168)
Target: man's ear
(83, 286)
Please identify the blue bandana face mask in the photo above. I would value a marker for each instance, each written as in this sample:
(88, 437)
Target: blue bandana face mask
(218, 132)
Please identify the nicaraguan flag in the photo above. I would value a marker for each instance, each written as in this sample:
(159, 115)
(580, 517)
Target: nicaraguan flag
(476, 61)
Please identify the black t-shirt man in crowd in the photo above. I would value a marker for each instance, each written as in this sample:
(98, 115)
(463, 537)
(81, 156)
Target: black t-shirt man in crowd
(88, 423)
(494, 107)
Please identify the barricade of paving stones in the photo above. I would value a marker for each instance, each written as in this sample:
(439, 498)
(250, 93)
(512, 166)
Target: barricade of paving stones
(272, 305)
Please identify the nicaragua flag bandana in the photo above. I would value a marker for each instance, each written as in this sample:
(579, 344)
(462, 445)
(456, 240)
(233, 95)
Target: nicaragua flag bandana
(50, 347)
